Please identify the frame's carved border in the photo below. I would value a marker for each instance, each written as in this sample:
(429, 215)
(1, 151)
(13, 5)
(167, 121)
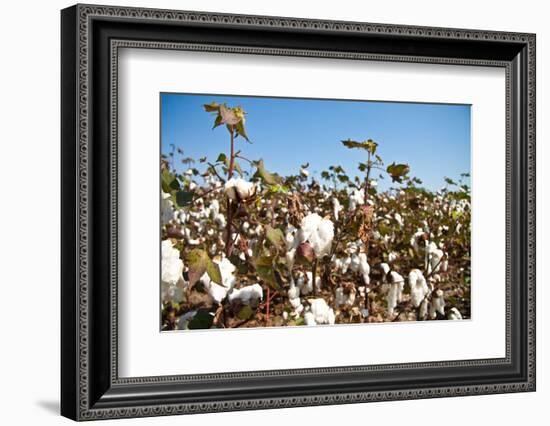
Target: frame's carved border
(86, 12)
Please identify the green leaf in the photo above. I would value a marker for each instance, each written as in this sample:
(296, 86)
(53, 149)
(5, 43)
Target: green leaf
(265, 270)
(237, 168)
(276, 237)
(169, 182)
(197, 261)
(242, 266)
(222, 158)
(202, 320)
(397, 171)
(218, 121)
(241, 131)
(184, 198)
(278, 189)
(213, 271)
(449, 181)
(245, 313)
(270, 179)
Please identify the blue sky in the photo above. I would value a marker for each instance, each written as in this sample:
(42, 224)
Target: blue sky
(434, 139)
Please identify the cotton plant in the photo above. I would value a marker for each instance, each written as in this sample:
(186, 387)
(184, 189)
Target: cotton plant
(294, 239)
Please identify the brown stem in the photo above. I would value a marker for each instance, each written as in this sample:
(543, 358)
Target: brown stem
(232, 157)
(267, 306)
(229, 226)
(314, 277)
(369, 166)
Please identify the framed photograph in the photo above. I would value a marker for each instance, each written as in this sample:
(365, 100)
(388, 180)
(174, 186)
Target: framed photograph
(263, 212)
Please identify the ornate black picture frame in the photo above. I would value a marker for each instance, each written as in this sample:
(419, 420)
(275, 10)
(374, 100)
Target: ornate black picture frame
(91, 37)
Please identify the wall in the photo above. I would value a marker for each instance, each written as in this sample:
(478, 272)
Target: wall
(29, 225)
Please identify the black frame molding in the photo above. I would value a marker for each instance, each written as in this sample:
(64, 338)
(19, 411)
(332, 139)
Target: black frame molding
(91, 38)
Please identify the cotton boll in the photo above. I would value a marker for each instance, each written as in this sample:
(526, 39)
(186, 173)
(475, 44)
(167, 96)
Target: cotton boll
(395, 292)
(341, 297)
(331, 317)
(399, 220)
(414, 240)
(322, 313)
(318, 232)
(182, 217)
(293, 292)
(238, 189)
(419, 287)
(364, 268)
(445, 263)
(307, 286)
(218, 292)
(336, 208)
(304, 172)
(250, 294)
(285, 315)
(434, 258)
(346, 264)
(423, 310)
(356, 198)
(309, 319)
(437, 305)
(454, 314)
(392, 256)
(355, 262)
(338, 264)
(171, 264)
(227, 270)
(214, 208)
(295, 302)
(219, 219)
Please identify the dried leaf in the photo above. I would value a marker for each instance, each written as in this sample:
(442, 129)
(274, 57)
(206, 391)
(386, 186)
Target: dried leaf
(228, 116)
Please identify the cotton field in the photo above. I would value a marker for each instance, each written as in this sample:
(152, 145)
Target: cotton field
(246, 247)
